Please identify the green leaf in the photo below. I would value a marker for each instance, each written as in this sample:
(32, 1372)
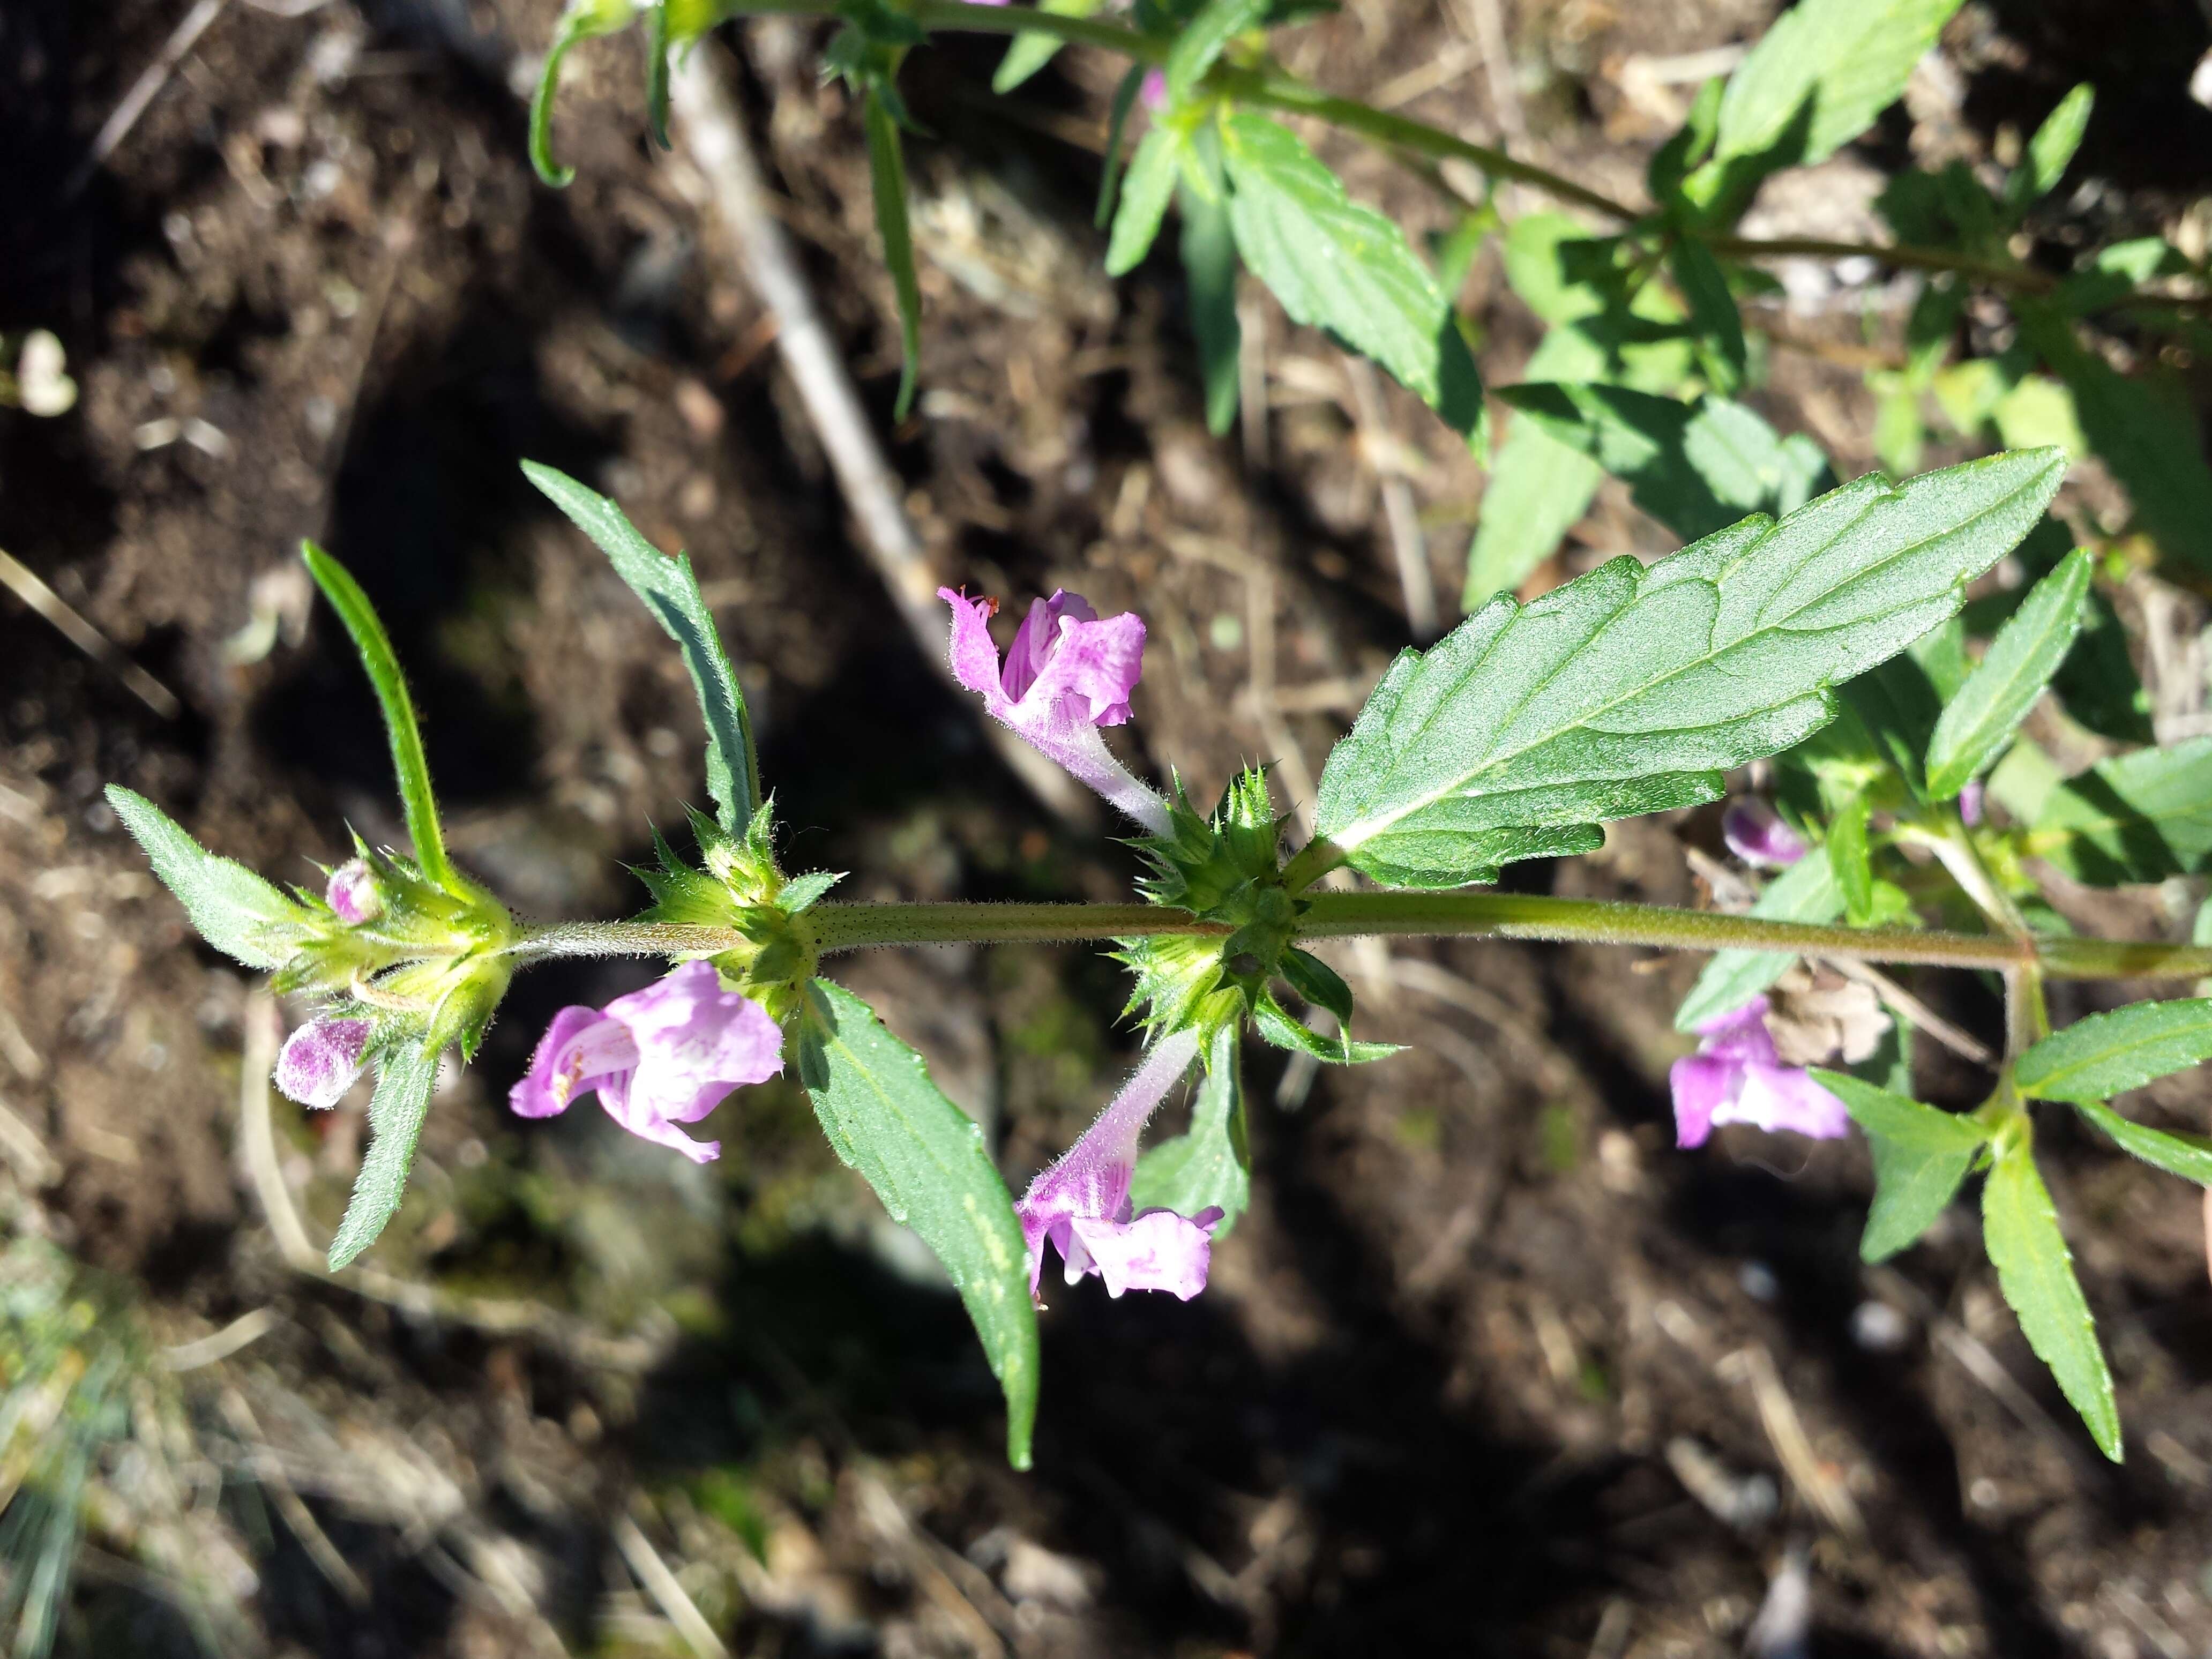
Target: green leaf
(926, 1162)
(1538, 490)
(1317, 983)
(582, 20)
(1848, 859)
(1031, 50)
(1275, 1026)
(2189, 1156)
(1833, 66)
(1898, 706)
(670, 592)
(1695, 467)
(1920, 1157)
(1805, 892)
(800, 892)
(234, 909)
(1218, 23)
(656, 75)
(408, 763)
(2052, 150)
(1109, 171)
(2035, 1271)
(1714, 317)
(1211, 1163)
(396, 1112)
(1337, 266)
(887, 175)
(2145, 432)
(1146, 193)
(1981, 719)
(1209, 264)
(2143, 816)
(2108, 1055)
(1629, 689)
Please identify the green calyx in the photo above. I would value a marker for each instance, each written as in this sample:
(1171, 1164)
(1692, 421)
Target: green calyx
(431, 962)
(1227, 868)
(741, 887)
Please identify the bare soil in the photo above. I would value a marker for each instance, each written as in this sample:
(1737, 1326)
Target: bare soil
(1489, 1368)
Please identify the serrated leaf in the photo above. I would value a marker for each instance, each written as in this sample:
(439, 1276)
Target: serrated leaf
(1696, 467)
(670, 592)
(2151, 442)
(2143, 816)
(1146, 193)
(887, 179)
(1977, 723)
(1832, 66)
(2035, 1271)
(2052, 150)
(1631, 690)
(1217, 23)
(1029, 52)
(925, 1160)
(410, 768)
(1805, 892)
(1713, 314)
(1211, 1164)
(233, 909)
(1920, 1157)
(2189, 1156)
(2110, 1054)
(1209, 264)
(1337, 266)
(396, 1111)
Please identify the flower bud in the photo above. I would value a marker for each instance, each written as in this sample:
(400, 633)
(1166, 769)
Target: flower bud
(352, 893)
(321, 1060)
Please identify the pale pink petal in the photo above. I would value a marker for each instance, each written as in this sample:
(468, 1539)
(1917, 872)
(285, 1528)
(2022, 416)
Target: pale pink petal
(1093, 665)
(1035, 641)
(1756, 834)
(352, 895)
(321, 1060)
(1970, 803)
(581, 1050)
(1741, 1035)
(1785, 1097)
(696, 1042)
(617, 1095)
(1700, 1085)
(973, 658)
(1159, 1250)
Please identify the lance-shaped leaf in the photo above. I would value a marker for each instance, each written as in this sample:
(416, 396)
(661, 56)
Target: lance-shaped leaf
(1209, 265)
(2052, 150)
(926, 1162)
(234, 909)
(2108, 1055)
(1337, 266)
(408, 763)
(1805, 892)
(582, 20)
(1146, 193)
(1630, 689)
(1539, 487)
(670, 592)
(1218, 23)
(2189, 1156)
(396, 1112)
(1977, 723)
(1920, 1157)
(1848, 859)
(2035, 1271)
(887, 177)
(1830, 66)
(2143, 816)
(1030, 52)
(1211, 1163)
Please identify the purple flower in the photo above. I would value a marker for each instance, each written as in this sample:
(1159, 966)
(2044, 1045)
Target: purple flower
(1081, 1204)
(1066, 674)
(665, 1055)
(1736, 1078)
(1152, 90)
(320, 1060)
(352, 893)
(1970, 804)
(1755, 833)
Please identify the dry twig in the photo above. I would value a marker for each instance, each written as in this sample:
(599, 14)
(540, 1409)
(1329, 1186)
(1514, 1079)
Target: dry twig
(26, 586)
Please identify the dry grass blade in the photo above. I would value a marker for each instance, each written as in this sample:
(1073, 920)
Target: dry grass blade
(26, 586)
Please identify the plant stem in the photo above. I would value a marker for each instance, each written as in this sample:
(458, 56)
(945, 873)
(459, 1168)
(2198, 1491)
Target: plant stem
(1350, 915)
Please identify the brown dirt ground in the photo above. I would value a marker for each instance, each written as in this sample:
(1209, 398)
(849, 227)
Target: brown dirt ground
(1482, 1324)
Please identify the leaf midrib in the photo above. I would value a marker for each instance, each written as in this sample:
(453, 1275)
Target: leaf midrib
(2098, 1056)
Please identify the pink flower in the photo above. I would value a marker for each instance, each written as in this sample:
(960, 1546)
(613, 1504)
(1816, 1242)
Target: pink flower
(665, 1055)
(1970, 804)
(352, 893)
(1736, 1078)
(1066, 674)
(1081, 1204)
(1152, 90)
(1755, 833)
(320, 1060)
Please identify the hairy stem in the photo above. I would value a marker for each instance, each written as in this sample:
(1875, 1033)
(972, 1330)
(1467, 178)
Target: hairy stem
(1350, 915)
